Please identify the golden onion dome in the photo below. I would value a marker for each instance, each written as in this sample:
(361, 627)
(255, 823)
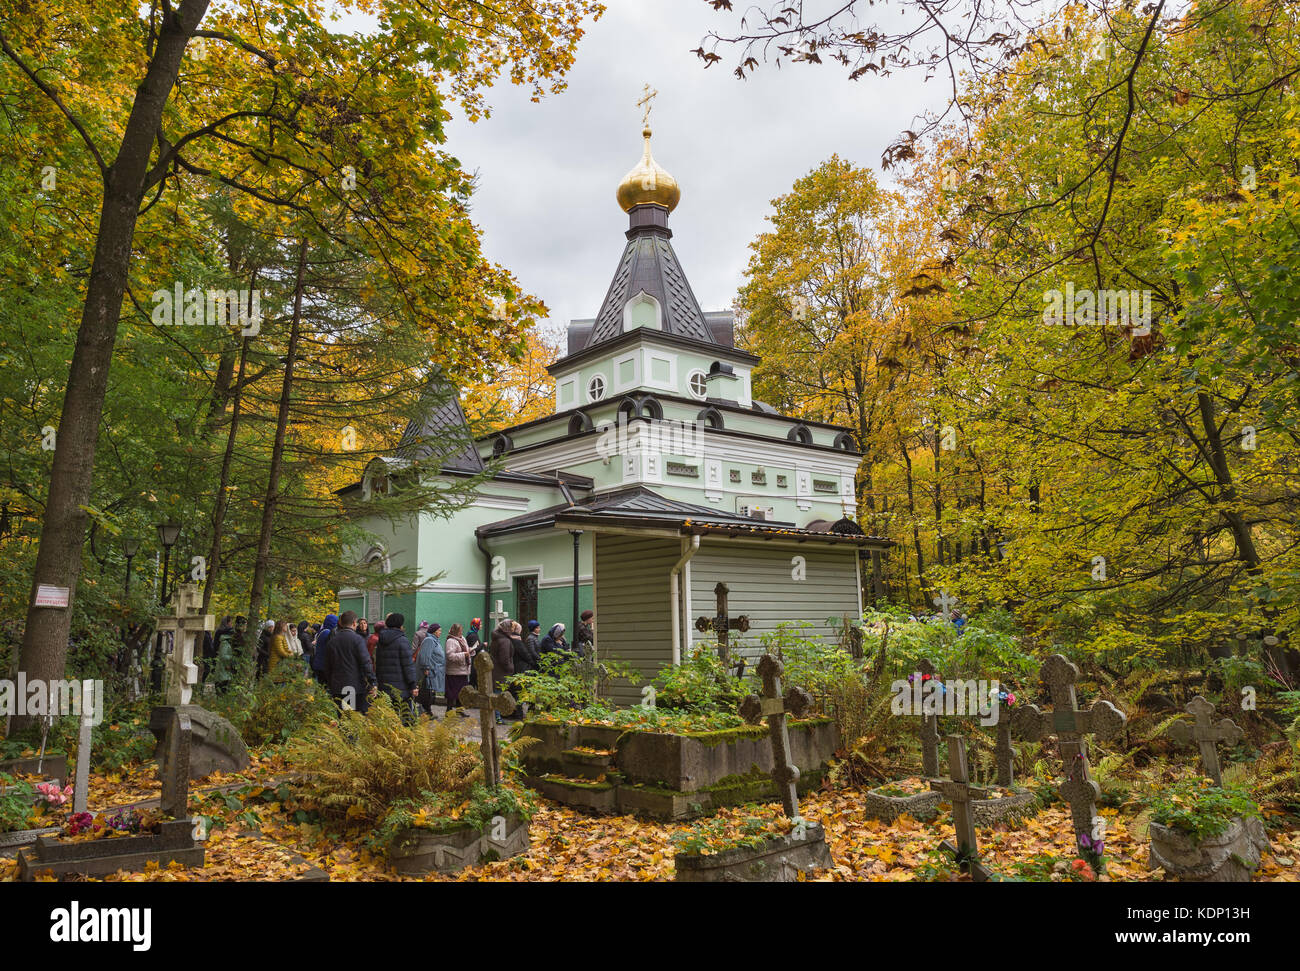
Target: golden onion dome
(648, 183)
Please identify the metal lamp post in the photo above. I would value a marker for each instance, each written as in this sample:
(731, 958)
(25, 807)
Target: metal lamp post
(130, 546)
(168, 533)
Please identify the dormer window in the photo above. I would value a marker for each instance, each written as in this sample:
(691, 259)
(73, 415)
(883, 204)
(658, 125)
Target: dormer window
(596, 387)
(642, 310)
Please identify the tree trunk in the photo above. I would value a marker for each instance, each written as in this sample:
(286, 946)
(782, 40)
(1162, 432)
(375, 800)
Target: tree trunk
(261, 565)
(223, 486)
(58, 561)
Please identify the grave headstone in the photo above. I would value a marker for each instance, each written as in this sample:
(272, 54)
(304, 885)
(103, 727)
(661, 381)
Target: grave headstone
(1206, 735)
(958, 791)
(1005, 754)
(1070, 725)
(487, 702)
(81, 787)
(928, 732)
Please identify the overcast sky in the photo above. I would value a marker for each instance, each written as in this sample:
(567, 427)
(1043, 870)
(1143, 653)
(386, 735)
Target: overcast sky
(548, 172)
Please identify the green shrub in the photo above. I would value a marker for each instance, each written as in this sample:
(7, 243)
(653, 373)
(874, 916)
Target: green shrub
(1200, 809)
(564, 682)
(15, 804)
(282, 704)
(357, 767)
(700, 682)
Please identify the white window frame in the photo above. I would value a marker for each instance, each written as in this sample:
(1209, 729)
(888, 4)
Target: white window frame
(604, 381)
(704, 381)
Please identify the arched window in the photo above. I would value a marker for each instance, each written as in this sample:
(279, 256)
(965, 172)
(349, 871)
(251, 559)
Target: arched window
(648, 406)
(501, 444)
(628, 410)
(846, 442)
(373, 609)
(711, 417)
(800, 434)
(579, 422)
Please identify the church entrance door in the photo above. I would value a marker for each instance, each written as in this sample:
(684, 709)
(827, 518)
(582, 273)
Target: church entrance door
(526, 600)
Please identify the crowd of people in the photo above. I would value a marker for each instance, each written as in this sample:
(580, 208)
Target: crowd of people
(356, 663)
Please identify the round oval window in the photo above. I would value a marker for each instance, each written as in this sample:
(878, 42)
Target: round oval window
(698, 384)
(596, 388)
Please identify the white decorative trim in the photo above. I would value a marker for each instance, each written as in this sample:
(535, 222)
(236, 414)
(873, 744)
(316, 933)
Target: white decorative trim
(572, 385)
(564, 582)
(488, 500)
(642, 297)
(647, 369)
(350, 593)
(713, 485)
(619, 385)
(652, 463)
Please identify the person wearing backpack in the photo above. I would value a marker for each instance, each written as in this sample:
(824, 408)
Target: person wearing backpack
(320, 659)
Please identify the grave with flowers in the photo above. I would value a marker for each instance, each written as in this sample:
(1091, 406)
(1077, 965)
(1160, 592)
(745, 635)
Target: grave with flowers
(93, 845)
(913, 796)
(1004, 801)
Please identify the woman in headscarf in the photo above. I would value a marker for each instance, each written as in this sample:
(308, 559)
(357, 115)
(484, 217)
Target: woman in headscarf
(458, 654)
(554, 641)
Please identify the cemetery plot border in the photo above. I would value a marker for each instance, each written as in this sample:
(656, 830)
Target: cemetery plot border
(779, 860)
(49, 767)
(1230, 857)
(418, 852)
(1016, 806)
(887, 807)
(174, 842)
(663, 776)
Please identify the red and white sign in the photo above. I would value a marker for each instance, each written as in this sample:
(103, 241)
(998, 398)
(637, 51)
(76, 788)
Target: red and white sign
(48, 596)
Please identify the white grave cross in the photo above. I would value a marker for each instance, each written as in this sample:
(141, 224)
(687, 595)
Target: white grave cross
(187, 626)
(498, 615)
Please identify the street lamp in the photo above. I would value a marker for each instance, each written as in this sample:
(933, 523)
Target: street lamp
(168, 533)
(130, 546)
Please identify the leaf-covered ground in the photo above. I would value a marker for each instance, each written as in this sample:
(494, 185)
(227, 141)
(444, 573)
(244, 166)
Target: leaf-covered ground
(259, 832)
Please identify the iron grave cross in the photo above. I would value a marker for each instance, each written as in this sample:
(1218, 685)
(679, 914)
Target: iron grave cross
(958, 791)
(1070, 725)
(774, 707)
(722, 624)
(487, 701)
(187, 626)
(1206, 734)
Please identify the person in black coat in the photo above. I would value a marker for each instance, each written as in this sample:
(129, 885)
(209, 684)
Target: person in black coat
(554, 642)
(348, 672)
(394, 666)
(526, 657)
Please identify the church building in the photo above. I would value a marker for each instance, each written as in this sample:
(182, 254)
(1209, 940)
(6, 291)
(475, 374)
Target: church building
(657, 477)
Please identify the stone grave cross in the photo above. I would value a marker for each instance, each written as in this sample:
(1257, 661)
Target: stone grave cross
(722, 625)
(929, 730)
(958, 791)
(1070, 725)
(945, 602)
(1004, 753)
(498, 615)
(487, 701)
(187, 626)
(774, 707)
(1206, 735)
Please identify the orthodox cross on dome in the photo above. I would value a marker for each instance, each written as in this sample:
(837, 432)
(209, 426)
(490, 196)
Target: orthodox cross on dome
(647, 102)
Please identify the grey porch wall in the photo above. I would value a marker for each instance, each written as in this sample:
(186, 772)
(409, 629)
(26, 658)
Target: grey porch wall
(633, 612)
(759, 582)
